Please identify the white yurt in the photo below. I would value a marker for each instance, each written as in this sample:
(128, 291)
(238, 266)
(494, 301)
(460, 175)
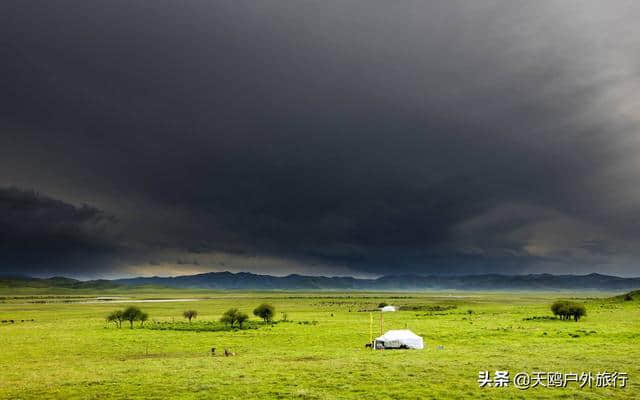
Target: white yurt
(388, 308)
(398, 339)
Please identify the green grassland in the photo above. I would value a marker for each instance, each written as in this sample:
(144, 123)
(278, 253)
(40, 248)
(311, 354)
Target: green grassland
(70, 351)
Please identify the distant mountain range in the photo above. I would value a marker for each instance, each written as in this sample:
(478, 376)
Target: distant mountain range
(249, 281)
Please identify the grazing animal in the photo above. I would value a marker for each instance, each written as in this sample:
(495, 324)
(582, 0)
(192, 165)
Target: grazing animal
(213, 351)
(368, 346)
(228, 353)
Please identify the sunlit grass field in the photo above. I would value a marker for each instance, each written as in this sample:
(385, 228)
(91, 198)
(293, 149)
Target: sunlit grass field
(70, 351)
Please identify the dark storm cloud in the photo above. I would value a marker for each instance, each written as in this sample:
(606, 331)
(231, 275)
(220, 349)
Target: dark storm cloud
(43, 235)
(370, 136)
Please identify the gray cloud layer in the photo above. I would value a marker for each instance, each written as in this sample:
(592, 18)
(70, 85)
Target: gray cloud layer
(348, 137)
(41, 234)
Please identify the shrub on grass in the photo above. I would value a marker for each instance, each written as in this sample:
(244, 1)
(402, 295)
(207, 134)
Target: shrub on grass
(578, 311)
(567, 310)
(240, 318)
(190, 314)
(265, 311)
(233, 316)
(560, 309)
(201, 326)
(143, 317)
(116, 318)
(229, 317)
(131, 314)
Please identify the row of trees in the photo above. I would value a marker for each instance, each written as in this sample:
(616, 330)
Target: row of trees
(568, 310)
(232, 316)
(130, 314)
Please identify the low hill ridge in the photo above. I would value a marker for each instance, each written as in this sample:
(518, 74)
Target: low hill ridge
(251, 281)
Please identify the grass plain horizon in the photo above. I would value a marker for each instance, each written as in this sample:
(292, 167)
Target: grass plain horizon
(66, 349)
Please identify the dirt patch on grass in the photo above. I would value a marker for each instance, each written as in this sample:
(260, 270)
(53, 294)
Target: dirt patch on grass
(307, 358)
(182, 354)
(428, 307)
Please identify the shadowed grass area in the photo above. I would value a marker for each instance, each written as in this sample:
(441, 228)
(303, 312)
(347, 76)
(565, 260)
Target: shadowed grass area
(209, 326)
(70, 351)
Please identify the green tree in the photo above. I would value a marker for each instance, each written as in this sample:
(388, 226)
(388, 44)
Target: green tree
(229, 316)
(143, 317)
(568, 310)
(232, 316)
(383, 304)
(265, 311)
(241, 318)
(190, 314)
(131, 314)
(577, 311)
(115, 317)
(560, 309)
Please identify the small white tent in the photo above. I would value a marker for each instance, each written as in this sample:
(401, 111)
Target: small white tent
(387, 308)
(398, 339)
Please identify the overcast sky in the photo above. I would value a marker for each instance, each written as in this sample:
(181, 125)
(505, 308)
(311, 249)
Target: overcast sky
(319, 137)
